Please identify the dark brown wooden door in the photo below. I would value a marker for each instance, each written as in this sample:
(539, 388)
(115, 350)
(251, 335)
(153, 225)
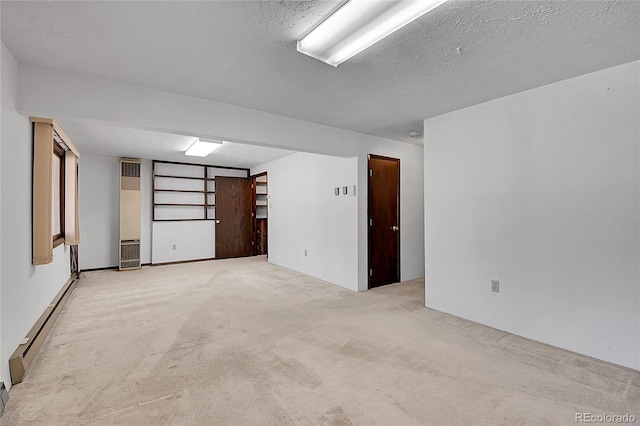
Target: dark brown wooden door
(233, 217)
(384, 220)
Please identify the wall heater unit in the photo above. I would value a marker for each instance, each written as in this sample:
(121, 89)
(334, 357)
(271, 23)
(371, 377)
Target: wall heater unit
(129, 247)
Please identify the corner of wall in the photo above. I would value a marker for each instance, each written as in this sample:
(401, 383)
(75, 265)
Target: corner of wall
(541, 190)
(25, 290)
(310, 230)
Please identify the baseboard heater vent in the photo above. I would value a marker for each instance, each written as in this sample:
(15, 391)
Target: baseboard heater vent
(130, 254)
(28, 347)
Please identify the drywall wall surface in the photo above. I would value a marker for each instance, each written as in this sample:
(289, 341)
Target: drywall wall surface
(80, 96)
(26, 289)
(99, 209)
(310, 229)
(540, 190)
(83, 96)
(178, 241)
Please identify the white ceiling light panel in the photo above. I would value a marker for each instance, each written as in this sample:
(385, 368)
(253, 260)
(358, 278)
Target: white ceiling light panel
(359, 24)
(202, 149)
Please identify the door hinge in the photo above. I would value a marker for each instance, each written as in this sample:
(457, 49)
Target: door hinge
(370, 172)
(370, 222)
(370, 272)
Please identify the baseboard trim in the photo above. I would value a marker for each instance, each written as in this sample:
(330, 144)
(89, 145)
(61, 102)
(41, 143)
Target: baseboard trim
(108, 268)
(28, 347)
(182, 261)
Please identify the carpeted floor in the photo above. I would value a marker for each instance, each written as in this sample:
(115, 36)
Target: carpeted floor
(242, 341)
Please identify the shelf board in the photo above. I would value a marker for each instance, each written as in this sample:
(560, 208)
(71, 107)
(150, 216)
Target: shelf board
(201, 165)
(178, 220)
(181, 204)
(180, 190)
(183, 177)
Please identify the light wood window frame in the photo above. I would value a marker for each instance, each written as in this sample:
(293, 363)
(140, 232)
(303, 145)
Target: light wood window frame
(47, 134)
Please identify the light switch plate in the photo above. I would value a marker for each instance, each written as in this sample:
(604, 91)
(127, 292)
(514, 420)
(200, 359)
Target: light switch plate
(495, 286)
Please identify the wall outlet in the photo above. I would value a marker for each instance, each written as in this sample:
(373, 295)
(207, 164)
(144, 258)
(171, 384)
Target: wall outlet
(174, 247)
(495, 286)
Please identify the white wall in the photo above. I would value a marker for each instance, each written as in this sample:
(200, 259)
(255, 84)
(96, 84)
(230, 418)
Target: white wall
(26, 290)
(63, 94)
(99, 210)
(540, 190)
(192, 240)
(304, 214)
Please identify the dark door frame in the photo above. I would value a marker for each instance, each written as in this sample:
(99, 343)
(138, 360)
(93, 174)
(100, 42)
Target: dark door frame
(369, 228)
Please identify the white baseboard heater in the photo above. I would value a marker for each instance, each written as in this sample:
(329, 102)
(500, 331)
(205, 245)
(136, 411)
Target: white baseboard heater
(28, 347)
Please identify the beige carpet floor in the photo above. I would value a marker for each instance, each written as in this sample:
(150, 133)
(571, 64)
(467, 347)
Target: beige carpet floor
(245, 342)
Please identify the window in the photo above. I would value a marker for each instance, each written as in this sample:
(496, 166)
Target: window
(57, 199)
(55, 190)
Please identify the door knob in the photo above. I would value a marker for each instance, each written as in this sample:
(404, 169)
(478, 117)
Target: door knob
(394, 228)
(217, 221)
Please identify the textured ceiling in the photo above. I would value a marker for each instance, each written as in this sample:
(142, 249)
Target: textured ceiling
(103, 139)
(244, 53)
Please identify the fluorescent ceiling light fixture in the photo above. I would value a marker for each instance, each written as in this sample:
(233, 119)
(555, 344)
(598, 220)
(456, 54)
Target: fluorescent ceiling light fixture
(359, 24)
(201, 148)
